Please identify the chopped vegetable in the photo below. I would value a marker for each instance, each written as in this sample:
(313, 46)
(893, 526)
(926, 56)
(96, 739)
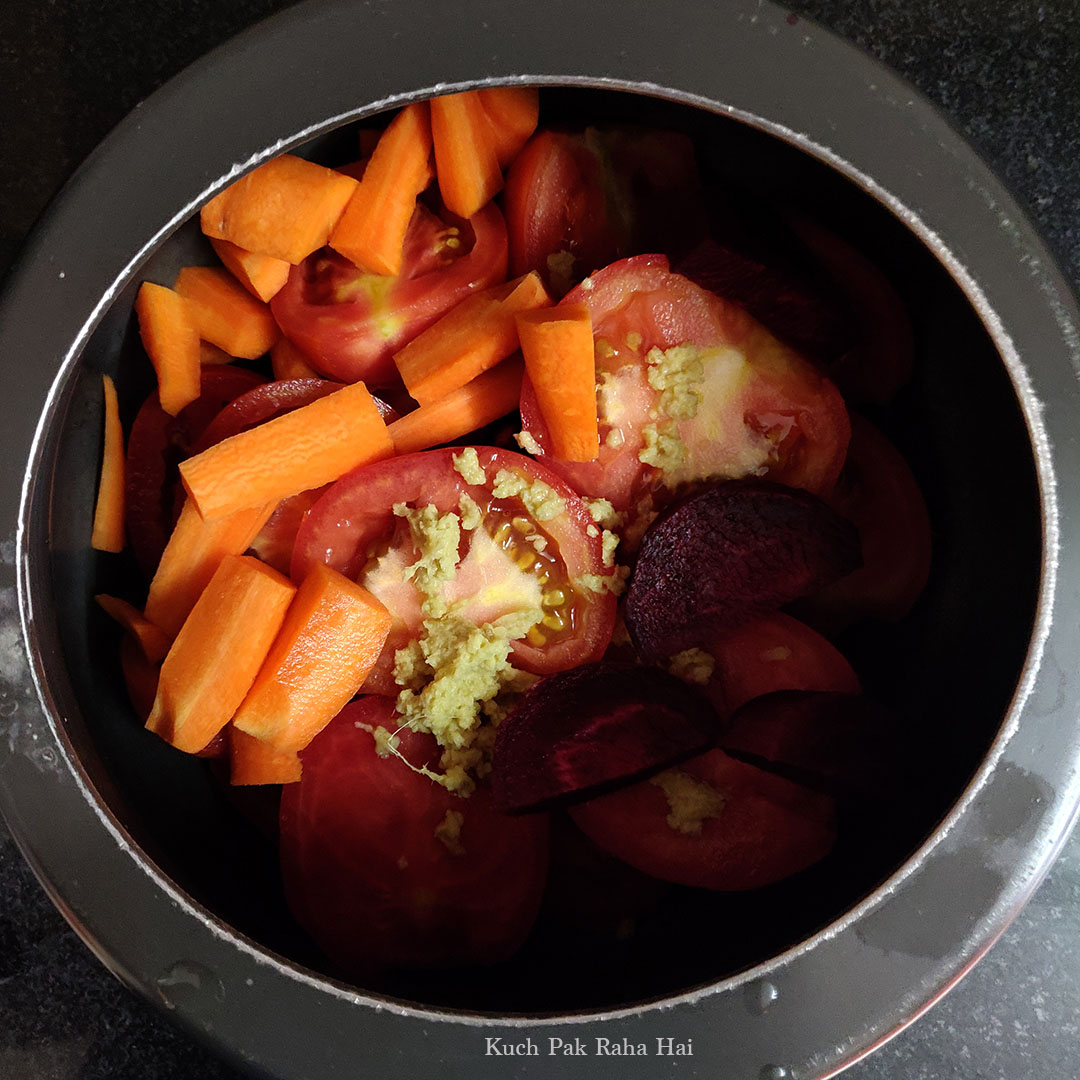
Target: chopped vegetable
(330, 640)
(285, 208)
(469, 339)
(262, 275)
(557, 344)
(252, 761)
(303, 449)
(513, 112)
(152, 640)
(225, 314)
(466, 161)
(169, 335)
(290, 362)
(371, 231)
(468, 408)
(195, 550)
(108, 530)
(218, 652)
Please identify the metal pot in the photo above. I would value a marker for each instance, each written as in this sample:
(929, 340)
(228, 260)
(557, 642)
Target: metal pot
(170, 892)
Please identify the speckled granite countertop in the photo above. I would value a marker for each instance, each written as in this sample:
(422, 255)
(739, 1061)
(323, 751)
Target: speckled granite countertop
(1005, 74)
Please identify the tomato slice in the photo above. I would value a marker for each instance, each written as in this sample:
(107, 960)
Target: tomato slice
(576, 202)
(157, 444)
(761, 409)
(349, 324)
(513, 560)
(877, 492)
(385, 868)
(713, 822)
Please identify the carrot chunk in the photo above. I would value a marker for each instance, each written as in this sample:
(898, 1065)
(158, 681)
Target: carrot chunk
(330, 640)
(371, 231)
(561, 364)
(152, 640)
(285, 208)
(211, 355)
(195, 550)
(252, 761)
(303, 449)
(140, 677)
(465, 159)
(289, 362)
(479, 402)
(218, 652)
(468, 339)
(514, 112)
(225, 314)
(108, 531)
(262, 275)
(171, 339)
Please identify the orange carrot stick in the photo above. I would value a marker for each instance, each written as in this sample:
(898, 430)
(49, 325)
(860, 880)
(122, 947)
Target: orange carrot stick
(303, 449)
(218, 652)
(288, 362)
(371, 231)
(140, 677)
(561, 363)
(252, 761)
(225, 314)
(108, 530)
(211, 355)
(195, 550)
(469, 339)
(514, 112)
(171, 340)
(465, 159)
(285, 208)
(479, 402)
(262, 275)
(151, 639)
(330, 640)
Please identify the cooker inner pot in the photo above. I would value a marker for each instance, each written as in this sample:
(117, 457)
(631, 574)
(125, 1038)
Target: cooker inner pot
(949, 669)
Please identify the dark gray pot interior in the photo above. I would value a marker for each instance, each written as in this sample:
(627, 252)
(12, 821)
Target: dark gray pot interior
(950, 669)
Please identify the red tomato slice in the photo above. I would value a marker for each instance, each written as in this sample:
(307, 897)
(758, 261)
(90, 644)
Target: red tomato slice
(878, 492)
(367, 874)
(349, 324)
(774, 653)
(763, 410)
(353, 529)
(740, 827)
(576, 202)
(157, 444)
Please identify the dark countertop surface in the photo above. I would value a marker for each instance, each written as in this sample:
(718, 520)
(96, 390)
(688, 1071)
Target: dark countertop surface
(1004, 72)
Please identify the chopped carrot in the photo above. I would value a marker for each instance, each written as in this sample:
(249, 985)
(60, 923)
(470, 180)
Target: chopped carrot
(285, 208)
(330, 640)
(218, 652)
(514, 112)
(252, 761)
(371, 231)
(171, 339)
(561, 364)
(140, 677)
(225, 314)
(195, 550)
(465, 159)
(288, 362)
(262, 275)
(467, 340)
(108, 530)
(303, 449)
(211, 355)
(479, 402)
(151, 639)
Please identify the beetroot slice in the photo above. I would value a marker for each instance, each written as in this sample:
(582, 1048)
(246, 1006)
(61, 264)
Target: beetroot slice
(845, 745)
(729, 554)
(591, 729)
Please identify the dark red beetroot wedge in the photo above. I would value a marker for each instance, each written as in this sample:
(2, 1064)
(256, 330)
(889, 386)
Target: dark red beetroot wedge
(843, 744)
(728, 554)
(580, 732)
(713, 823)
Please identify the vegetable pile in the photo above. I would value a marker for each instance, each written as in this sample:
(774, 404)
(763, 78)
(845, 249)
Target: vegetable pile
(481, 477)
